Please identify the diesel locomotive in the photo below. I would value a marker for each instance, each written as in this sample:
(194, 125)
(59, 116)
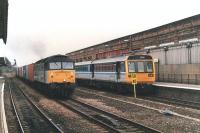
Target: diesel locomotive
(54, 75)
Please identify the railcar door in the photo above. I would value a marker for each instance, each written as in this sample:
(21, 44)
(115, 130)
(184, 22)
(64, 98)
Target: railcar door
(92, 70)
(118, 70)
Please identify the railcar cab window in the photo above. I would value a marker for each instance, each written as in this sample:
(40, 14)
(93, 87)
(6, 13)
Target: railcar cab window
(131, 67)
(140, 66)
(149, 66)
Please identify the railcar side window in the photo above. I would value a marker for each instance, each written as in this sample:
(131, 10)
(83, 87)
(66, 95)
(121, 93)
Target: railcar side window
(140, 66)
(67, 65)
(108, 67)
(131, 67)
(149, 66)
(82, 68)
(55, 65)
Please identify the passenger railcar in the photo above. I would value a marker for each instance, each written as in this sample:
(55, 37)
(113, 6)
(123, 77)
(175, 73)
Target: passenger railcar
(118, 73)
(54, 75)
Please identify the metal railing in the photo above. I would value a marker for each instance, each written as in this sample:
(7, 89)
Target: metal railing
(179, 78)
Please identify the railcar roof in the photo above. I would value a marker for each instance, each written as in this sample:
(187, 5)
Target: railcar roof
(83, 63)
(109, 60)
(114, 59)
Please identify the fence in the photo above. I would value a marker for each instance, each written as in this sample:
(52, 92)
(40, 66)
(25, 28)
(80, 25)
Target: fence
(179, 78)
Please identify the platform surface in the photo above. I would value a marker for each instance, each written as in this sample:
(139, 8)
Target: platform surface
(177, 85)
(3, 124)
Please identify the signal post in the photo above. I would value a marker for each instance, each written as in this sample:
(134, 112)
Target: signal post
(134, 83)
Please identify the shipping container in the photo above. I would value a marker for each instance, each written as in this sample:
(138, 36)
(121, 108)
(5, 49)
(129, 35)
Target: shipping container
(30, 72)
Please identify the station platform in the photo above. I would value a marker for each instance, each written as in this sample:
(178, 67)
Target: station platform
(3, 124)
(188, 92)
(177, 85)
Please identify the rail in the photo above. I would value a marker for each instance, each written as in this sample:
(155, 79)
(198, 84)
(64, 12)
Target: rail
(42, 114)
(16, 113)
(125, 125)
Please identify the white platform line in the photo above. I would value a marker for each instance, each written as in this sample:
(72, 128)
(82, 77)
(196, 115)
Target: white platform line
(180, 87)
(3, 116)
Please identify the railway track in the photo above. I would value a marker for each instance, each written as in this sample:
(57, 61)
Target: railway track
(29, 117)
(190, 104)
(106, 119)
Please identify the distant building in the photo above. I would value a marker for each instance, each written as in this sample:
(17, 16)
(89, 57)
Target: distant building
(3, 19)
(4, 61)
(174, 46)
(175, 32)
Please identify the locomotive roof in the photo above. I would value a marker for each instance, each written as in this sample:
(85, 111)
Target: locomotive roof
(54, 58)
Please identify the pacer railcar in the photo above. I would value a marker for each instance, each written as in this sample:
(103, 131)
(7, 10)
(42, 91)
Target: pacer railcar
(118, 73)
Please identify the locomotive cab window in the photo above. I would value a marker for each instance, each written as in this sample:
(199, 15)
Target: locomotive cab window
(55, 65)
(67, 65)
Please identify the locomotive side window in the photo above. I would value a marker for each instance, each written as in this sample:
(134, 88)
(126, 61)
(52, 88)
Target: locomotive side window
(55, 65)
(67, 65)
(131, 67)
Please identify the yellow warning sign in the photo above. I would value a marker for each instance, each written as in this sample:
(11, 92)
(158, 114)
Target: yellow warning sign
(134, 81)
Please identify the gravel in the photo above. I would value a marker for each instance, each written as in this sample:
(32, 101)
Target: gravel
(67, 120)
(152, 118)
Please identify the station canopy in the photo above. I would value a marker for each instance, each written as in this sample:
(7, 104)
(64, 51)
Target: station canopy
(3, 19)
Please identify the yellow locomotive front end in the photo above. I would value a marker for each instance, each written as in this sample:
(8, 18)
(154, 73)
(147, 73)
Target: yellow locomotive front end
(60, 77)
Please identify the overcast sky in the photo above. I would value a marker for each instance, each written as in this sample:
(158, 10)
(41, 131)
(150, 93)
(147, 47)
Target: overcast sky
(39, 28)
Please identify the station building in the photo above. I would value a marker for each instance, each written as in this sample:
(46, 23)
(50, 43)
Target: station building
(174, 46)
(3, 19)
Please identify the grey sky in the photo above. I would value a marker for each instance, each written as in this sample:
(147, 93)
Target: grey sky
(39, 28)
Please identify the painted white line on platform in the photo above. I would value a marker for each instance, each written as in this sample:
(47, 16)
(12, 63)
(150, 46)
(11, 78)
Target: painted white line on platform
(3, 116)
(180, 87)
